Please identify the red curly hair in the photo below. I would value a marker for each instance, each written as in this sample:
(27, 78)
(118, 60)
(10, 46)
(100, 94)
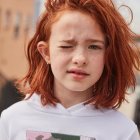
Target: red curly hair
(120, 57)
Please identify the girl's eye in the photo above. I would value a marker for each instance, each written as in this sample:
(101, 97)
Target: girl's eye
(95, 47)
(65, 47)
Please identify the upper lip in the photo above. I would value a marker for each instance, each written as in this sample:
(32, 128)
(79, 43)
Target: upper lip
(77, 71)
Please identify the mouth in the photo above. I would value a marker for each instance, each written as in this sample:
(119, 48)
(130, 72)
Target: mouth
(78, 72)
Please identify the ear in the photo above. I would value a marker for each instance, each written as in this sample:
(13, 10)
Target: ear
(44, 51)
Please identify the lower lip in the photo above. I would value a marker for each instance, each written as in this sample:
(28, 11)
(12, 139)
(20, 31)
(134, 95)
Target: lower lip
(78, 76)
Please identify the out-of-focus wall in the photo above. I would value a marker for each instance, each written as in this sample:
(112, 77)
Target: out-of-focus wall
(16, 18)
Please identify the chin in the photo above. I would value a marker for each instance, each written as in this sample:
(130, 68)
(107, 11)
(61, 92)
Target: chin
(78, 89)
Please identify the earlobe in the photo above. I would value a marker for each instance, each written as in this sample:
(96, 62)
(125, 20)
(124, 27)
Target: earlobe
(44, 51)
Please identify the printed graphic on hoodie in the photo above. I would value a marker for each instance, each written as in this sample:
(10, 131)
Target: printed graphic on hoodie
(36, 135)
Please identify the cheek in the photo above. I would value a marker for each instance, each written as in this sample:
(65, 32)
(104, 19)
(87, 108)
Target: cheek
(58, 57)
(58, 61)
(98, 66)
(99, 61)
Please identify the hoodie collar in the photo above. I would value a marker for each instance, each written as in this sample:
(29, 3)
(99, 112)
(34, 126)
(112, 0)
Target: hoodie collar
(75, 110)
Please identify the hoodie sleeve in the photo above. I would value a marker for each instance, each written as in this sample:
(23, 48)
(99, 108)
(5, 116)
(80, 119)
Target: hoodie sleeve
(3, 128)
(134, 135)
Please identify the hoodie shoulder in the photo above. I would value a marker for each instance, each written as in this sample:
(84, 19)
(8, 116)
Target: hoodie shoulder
(14, 109)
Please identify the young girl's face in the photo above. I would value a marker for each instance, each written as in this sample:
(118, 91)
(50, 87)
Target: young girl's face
(76, 52)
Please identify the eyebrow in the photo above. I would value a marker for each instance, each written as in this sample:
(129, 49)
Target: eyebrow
(69, 41)
(96, 41)
(73, 41)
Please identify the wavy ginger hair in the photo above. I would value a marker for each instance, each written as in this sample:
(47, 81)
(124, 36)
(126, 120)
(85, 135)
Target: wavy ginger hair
(120, 57)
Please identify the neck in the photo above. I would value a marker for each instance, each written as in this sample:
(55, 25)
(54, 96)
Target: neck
(69, 98)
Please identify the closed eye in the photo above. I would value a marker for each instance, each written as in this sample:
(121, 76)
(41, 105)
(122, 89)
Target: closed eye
(95, 47)
(66, 47)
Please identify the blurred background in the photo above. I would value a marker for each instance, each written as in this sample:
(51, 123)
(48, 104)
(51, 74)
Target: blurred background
(17, 24)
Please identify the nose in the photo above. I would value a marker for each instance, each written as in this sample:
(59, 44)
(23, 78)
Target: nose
(79, 58)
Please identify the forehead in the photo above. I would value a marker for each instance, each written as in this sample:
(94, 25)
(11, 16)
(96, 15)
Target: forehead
(74, 24)
(69, 17)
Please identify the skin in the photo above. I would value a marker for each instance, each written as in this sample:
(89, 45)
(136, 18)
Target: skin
(76, 55)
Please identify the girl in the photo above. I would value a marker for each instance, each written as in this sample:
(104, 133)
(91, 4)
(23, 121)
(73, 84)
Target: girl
(80, 66)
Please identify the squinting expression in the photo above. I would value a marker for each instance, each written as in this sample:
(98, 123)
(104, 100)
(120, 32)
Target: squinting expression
(77, 49)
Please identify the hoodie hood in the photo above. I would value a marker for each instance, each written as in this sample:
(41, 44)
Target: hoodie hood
(75, 110)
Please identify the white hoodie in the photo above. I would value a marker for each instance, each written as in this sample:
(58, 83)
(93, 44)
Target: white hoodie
(29, 120)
